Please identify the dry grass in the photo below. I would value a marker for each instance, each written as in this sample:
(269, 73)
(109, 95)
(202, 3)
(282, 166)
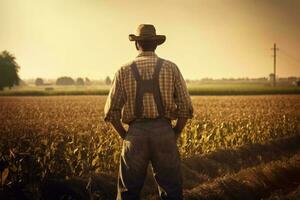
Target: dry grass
(251, 183)
(199, 169)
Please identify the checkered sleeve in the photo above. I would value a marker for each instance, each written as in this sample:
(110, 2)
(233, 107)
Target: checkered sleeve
(182, 97)
(115, 100)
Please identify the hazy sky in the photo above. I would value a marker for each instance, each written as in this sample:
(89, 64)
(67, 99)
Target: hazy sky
(205, 38)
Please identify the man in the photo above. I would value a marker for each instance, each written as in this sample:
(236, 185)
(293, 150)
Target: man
(147, 94)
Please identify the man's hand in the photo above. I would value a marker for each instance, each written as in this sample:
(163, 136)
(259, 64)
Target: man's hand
(181, 122)
(119, 128)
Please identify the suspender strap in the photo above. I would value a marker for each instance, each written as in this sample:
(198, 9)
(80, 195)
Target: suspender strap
(156, 89)
(151, 86)
(138, 93)
(135, 72)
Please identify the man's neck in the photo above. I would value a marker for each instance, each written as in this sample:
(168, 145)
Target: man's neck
(146, 53)
(143, 51)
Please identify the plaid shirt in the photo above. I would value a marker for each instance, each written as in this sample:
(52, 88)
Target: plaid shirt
(121, 98)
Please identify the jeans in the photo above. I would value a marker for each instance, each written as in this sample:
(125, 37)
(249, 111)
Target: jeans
(150, 141)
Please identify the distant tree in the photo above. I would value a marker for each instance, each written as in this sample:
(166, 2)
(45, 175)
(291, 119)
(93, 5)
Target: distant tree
(9, 69)
(87, 81)
(65, 80)
(107, 80)
(39, 82)
(79, 81)
(292, 78)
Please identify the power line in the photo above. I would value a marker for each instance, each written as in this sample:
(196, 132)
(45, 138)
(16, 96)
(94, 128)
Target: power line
(290, 56)
(288, 61)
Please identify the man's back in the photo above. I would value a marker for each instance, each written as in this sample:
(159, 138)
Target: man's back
(175, 97)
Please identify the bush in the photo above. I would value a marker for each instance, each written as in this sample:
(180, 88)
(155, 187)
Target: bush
(65, 81)
(49, 88)
(39, 82)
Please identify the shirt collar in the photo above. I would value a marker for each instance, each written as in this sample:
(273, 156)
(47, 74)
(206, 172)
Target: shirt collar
(147, 54)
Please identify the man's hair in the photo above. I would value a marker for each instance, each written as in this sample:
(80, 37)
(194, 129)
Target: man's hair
(146, 45)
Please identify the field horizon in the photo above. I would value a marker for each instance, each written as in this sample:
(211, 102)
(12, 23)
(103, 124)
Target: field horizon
(194, 89)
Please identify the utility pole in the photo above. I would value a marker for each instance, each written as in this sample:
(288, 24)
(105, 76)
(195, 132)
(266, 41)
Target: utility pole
(275, 49)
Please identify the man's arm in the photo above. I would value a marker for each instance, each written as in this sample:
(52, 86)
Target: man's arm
(180, 124)
(114, 104)
(119, 128)
(183, 102)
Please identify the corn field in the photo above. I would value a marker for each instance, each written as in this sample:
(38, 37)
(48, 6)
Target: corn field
(63, 137)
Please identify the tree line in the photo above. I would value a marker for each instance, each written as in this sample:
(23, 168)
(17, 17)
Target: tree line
(9, 76)
(66, 80)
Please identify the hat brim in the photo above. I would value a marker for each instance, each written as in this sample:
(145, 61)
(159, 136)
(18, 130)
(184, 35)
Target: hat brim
(159, 39)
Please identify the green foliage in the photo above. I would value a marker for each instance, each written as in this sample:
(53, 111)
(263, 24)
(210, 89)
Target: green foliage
(240, 89)
(232, 121)
(8, 70)
(200, 89)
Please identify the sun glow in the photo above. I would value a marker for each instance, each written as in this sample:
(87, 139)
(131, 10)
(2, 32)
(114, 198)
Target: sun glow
(205, 38)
